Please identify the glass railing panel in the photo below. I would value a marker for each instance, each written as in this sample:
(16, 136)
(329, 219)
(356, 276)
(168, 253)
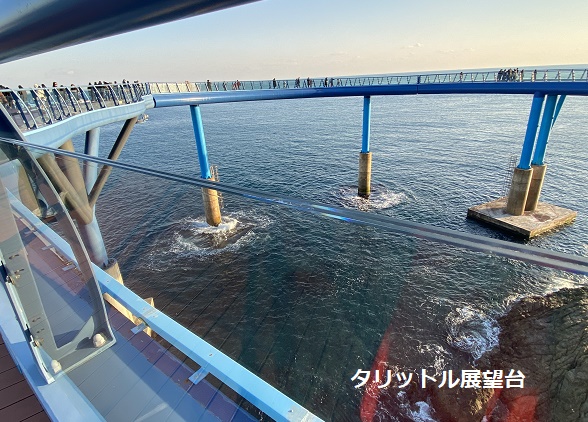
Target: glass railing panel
(57, 297)
(305, 300)
(19, 108)
(183, 376)
(58, 110)
(34, 108)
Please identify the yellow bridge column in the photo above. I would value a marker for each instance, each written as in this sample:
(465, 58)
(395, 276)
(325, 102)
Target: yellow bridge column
(365, 174)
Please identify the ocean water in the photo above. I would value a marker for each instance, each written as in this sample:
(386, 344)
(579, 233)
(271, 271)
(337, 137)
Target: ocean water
(305, 301)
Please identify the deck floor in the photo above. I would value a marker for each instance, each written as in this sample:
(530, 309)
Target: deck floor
(17, 400)
(136, 378)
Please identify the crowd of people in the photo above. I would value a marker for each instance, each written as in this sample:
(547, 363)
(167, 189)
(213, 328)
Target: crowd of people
(105, 89)
(511, 75)
(102, 87)
(274, 83)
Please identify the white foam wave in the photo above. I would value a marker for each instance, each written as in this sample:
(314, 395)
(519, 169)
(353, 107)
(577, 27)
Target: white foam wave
(437, 352)
(380, 198)
(418, 412)
(192, 237)
(423, 413)
(200, 226)
(472, 331)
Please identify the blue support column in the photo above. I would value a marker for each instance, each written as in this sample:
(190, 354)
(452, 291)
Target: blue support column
(365, 156)
(525, 162)
(365, 136)
(546, 122)
(200, 142)
(558, 108)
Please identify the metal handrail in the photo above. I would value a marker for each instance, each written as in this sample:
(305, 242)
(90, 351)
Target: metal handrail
(498, 76)
(96, 91)
(20, 103)
(52, 106)
(65, 111)
(40, 106)
(40, 103)
(49, 103)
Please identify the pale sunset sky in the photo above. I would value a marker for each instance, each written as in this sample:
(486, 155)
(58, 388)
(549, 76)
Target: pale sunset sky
(317, 38)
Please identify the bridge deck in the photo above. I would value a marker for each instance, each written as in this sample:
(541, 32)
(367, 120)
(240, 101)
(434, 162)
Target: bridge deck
(137, 377)
(17, 400)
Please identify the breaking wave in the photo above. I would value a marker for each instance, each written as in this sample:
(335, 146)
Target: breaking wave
(472, 331)
(380, 198)
(418, 412)
(192, 237)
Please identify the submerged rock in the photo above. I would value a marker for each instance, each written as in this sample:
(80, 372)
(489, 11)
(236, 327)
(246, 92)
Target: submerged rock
(546, 338)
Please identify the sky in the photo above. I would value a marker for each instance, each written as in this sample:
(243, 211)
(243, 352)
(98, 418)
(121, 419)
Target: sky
(318, 38)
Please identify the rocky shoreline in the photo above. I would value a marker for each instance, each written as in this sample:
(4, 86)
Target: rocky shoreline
(546, 338)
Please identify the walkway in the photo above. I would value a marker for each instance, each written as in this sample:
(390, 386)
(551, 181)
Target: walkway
(17, 400)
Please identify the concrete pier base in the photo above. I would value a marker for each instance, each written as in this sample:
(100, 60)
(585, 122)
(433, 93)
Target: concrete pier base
(519, 190)
(113, 270)
(544, 218)
(211, 206)
(365, 174)
(535, 187)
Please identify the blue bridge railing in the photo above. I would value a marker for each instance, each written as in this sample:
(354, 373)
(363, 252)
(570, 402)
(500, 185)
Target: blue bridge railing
(506, 75)
(33, 108)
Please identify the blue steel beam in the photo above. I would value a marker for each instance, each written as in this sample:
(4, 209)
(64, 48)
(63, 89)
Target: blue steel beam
(195, 98)
(558, 107)
(365, 135)
(546, 123)
(29, 27)
(200, 142)
(536, 106)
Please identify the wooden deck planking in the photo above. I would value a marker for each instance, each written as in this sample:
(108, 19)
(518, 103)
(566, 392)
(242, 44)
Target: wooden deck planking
(3, 351)
(267, 339)
(17, 400)
(111, 394)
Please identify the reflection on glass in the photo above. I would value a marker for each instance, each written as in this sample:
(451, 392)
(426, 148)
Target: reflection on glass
(52, 285)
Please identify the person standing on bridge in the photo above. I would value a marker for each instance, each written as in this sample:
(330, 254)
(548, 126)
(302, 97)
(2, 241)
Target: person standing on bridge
(3, 97)
(22, 93)
(274, 83)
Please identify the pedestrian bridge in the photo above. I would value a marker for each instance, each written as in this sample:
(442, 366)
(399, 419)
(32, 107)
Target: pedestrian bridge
(41, 122)
(35, 109)
(52, 116)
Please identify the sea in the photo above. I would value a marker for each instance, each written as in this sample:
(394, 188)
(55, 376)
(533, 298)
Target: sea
(306, 301)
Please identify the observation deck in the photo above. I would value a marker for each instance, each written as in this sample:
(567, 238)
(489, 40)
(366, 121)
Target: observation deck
(181, 375)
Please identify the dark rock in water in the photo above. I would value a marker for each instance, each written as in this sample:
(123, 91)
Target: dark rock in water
(546, 338)
(460, 405)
